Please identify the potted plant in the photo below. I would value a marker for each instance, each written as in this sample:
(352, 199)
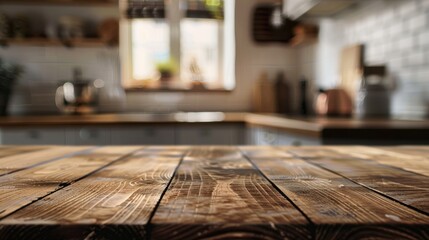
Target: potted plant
(166, 70)
(9, 74)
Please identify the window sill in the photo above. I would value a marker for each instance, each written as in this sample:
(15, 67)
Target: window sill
(190, 90)
(175, 87)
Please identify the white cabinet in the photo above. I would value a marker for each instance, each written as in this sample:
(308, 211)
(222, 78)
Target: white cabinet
(88, 135)
(287, 139)
(273, 137)
(33, 136)
(263, 136)
(150, 135)
(210, 135)
(296, 8)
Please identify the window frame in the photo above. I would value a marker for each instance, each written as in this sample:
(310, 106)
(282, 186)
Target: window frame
(174, 15)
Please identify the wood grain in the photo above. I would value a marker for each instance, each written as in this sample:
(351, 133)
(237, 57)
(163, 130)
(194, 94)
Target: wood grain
(24, 187)
(6, 151)
(339, 208)
(264, 192)
(421, 152)
(418, 164)
(406, 187)
(114, 203)
(310, 152)
(264, 152)
(217, 194)
(24, 158)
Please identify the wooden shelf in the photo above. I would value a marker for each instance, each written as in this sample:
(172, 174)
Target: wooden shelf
(44, 42)
(76, 3)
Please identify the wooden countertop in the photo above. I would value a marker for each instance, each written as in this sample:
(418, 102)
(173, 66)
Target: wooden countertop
(134, 192)
(310, 126)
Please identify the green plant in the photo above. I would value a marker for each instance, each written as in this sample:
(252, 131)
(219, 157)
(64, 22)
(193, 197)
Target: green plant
(166, 68)
(9, 74)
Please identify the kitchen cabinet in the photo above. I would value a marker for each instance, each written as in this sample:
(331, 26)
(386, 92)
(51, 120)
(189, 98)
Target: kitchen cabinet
(274, 137)
(122, 135)
(296, 8)
(210, 135)
(88, 136)
(262, 136)
(143, 135)
(33, 136)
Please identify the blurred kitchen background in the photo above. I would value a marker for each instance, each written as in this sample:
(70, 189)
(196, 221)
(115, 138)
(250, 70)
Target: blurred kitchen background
(319, 64)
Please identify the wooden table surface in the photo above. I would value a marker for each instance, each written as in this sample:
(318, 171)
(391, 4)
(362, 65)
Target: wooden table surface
(138, 192)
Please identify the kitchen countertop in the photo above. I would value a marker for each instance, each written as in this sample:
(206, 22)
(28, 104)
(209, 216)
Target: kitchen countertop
(309, 126)
(134, 192)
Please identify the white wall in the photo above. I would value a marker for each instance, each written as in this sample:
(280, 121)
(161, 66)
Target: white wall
(395, 33)
(46, 66)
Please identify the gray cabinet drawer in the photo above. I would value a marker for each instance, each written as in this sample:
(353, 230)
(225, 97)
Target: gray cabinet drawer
(143, 136)
(88, 136)
(265, 136)
(209, 135)
(286, 139)
(33, 136)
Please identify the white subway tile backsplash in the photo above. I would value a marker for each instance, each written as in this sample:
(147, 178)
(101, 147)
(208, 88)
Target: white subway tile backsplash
(395, 30)
(423, 75)
(418, 22)
(387, 17)
(406, 44)
(425, 4)
(423, 39)
(408, 8)
(399, 39)
(415, 59)
(395, 63)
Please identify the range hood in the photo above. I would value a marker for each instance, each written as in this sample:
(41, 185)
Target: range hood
(295, 9)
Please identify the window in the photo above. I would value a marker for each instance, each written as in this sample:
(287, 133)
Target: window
(178, 44)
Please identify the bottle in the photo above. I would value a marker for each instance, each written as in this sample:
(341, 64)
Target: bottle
(303, 97)
(282, 94)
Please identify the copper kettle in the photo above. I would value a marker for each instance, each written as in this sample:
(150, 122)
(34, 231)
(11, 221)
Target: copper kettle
(79, 96)
(334, 102)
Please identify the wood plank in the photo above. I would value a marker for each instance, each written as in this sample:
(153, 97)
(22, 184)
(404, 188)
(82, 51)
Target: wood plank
(339, 208)
(24, 159)
(413, 151)
(114, 203)
(6, 151)
(417, 164)
(24, 187)
(309, 152)
(217, 194)
(403, 186)
(264, 152)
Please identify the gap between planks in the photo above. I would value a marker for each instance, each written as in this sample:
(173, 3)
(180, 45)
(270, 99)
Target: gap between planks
(61, 186)
(313, 161)
(328, 225)
(103, 193)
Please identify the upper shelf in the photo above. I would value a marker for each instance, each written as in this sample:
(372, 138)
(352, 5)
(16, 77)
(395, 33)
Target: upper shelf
(44, 42)
(83, 3)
